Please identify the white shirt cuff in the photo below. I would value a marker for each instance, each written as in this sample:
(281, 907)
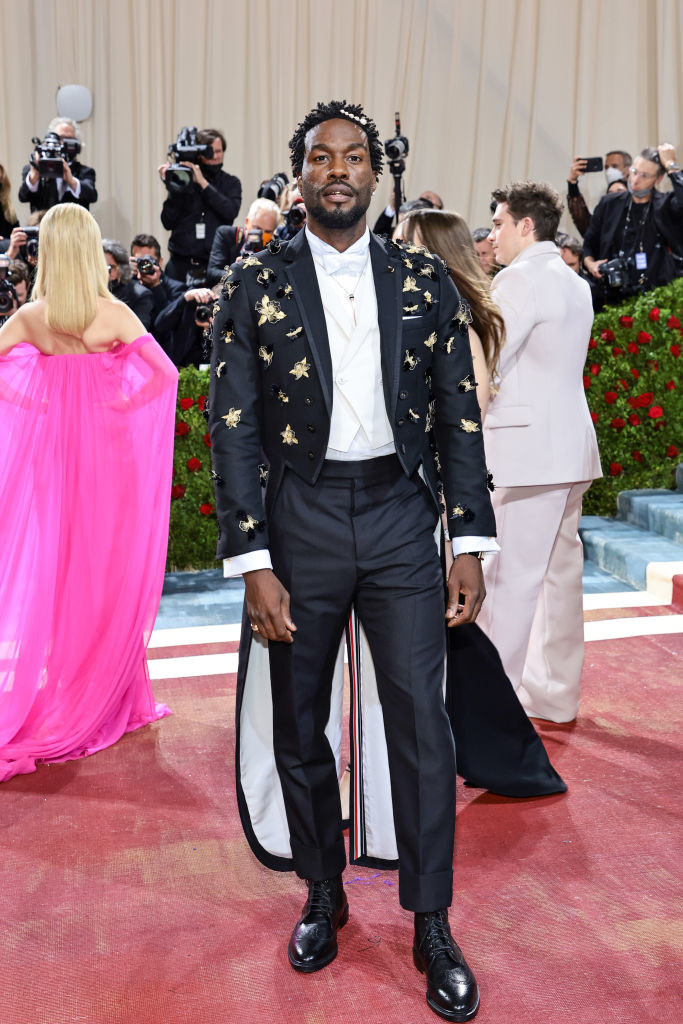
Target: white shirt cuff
(470, 545)
(29, 186)
(248, 562)
(75, 190)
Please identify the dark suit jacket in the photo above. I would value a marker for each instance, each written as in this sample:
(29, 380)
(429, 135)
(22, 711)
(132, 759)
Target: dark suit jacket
(47, 195)
(224, 251)
(271, 385)
(217, 204)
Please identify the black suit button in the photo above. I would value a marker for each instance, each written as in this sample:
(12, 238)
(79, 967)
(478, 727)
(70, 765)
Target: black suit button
(310, 428)
(403, 394)
(399, 423)
(311, 455)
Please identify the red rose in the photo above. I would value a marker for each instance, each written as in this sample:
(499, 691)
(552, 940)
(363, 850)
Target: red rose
(595, 417)
(634, 419)
(654, 314)
(193, 464)
(619, 351)
(177, 491)
(611, 397)
(618, 423)
(207, 440)
(673, 321)
(595, 369)
(206, 509)
(653, 364)
(182, 428)
(643, 400)
(643, 337)
(655, 412)
(607, 335)
(615, 468)
(634, 373)
(670, 386)
(586, 381)
(675, 350)
(201, 402)
(672, 451)
(626, 321)
(637, 456)
(186, 403)
(624, 385)
(592, 343)
(632, 347)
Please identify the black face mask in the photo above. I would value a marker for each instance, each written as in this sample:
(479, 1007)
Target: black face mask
(211, 170)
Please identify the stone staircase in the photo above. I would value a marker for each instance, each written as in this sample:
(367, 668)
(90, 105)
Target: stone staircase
(643, 546)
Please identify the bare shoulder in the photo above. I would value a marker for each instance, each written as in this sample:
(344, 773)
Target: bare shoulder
(116, 320)
(22, 326)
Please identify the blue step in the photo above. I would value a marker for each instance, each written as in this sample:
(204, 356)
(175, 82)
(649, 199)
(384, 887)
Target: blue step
(624, 550)
(659, 511)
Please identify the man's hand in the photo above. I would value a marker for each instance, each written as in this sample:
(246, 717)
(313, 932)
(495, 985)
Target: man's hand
(667, 154)
(467, 579)
(268, 606)
(197, 174)
(199, 295)
(162, 168)
(67, 176)
(17, 240)
(593, 266)
(149, 280)
(34, 173)
(577, 168)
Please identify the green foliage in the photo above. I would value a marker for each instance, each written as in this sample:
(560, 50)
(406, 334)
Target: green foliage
(633, 387)
(638, 381)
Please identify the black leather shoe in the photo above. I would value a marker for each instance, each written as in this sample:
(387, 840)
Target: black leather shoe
(452, 991)
(314, 940)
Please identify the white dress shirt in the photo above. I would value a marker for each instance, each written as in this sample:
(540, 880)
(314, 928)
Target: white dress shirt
(62, 189)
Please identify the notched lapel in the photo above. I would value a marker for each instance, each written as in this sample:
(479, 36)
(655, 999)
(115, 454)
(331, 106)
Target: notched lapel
(389, 309)
(300, 269)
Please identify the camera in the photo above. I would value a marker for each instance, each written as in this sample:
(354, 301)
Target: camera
(49, 163)
(30, 250)
(621, 274)
(253, 241)
(396, 148)
(294, 220)
(188, 149)
(272, 188)
(145, 264)
(8, 297)
(203, 313)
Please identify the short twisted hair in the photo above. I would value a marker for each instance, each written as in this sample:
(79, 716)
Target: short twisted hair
(352, 112)
(536, 200)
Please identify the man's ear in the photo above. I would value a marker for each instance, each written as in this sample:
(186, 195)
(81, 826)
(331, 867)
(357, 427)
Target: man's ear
(528, 226)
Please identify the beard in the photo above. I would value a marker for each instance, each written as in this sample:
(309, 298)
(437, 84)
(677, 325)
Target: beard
(339, 218)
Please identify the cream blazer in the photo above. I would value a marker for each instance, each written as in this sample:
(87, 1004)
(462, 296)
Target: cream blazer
(538, 428)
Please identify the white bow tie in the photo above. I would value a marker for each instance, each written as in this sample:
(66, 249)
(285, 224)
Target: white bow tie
(344, 262)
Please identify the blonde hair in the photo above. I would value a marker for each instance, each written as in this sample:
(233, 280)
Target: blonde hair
(447, 234)
(72, 271)
(5, 200)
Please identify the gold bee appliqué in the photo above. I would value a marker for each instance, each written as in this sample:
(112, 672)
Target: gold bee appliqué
(410, 309)
(410, 285)
(288, 436)
(251, 261)
(430, 342)
(232, 417)
(294, 333)
(269, 311)
(219, 369)
(466, 384)
(469, 426)
(300, 369)
(230, 289)
(248, 524)
(266, 355)
(448, 344)
(457, 512)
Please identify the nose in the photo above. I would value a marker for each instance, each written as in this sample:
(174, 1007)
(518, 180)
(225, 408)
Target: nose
(491, 235)
(337, 167)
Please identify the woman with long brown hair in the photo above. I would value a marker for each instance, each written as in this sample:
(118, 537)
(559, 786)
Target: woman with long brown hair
(447, 234)
(8, 217)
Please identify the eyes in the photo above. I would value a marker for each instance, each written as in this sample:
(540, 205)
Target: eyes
(353, 158)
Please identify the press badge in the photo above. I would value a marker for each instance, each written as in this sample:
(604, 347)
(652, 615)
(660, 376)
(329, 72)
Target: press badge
(200, 230)
(641, 261)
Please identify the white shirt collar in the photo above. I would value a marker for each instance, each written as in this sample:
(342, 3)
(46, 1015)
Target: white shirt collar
(320, 248)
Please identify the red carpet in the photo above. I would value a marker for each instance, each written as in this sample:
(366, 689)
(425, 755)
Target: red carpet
(130, 895)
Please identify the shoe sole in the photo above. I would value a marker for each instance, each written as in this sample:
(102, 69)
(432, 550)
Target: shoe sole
(454, 1015)
(308, 968)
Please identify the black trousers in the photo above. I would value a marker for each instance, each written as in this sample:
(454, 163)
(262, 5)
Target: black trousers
(364, 533)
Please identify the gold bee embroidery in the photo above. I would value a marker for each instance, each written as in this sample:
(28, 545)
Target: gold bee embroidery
(457, 512)
(232, 417)
(295, 332)
(219, 369)
(228, 273)
(463, 317)
(410, 309)
(266, 354)
(467, 384)
(407, 263)
(428, 297)
(288, 436)
(216, 307)
(286, 292)
(426, 270)
(300, 369)
(429, 418)
(410, 361)
(269, 311)
(248, 524)
(413, 416)
(469, 426)
(414, 249)
(265, 276)
(252, 261)
(410, 285)
(229, 335)
(230, 289)
(448, 344)
(431, 340)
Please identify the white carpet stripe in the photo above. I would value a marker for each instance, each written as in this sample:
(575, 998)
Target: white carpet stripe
(646, 625)
(195, 635)
(621, 599)
(199, 665)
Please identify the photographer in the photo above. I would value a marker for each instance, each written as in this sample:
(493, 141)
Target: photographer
(182, 325)
(230, 243)
(148, 268)
(192, 212)
(8, 218)
(425, 201)
(635, 238)
(123, 286)
(9, 300)
(72, 183)
(617, 164)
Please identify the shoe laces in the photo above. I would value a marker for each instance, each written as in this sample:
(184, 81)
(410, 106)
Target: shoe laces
(322, 897)
(437, 937)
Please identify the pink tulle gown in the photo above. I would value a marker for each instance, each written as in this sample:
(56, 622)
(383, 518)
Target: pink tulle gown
(86, 452)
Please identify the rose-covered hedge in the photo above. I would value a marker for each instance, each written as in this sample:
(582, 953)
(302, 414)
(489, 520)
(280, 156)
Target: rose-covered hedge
(633, 387)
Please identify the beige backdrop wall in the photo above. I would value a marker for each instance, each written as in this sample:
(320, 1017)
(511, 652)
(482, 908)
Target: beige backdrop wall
(488, 90)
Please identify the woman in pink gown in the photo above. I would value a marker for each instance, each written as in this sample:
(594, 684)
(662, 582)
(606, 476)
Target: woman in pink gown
(87, 404)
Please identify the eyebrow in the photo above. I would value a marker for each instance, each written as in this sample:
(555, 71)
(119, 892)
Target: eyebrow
(351, 145)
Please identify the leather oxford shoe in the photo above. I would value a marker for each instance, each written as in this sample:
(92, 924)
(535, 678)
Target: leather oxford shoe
(313, 944)
(451, 987)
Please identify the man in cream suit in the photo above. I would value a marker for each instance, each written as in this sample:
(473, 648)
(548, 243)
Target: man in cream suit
(542, 450)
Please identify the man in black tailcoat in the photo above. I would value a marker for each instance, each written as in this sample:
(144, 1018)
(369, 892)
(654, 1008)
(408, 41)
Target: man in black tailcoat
(344, 363)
